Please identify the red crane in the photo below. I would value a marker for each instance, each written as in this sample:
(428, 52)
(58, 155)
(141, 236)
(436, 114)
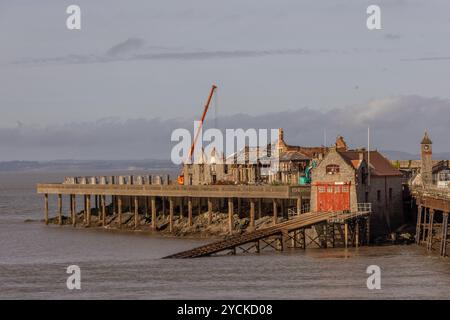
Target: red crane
(191, 151)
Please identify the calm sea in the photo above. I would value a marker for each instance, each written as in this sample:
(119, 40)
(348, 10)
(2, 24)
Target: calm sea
(34, 258)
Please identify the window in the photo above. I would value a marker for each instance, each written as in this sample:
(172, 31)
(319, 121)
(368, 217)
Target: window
(366, 197)
(330, 189)
(336, 189)
(378, 195)
(390, 193)
(344, 188)
(321, 189)
(332, 169)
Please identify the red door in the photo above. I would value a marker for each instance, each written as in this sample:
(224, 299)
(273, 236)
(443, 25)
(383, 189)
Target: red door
(333, 197)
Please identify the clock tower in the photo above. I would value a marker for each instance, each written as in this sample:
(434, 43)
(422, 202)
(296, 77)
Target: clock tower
(427, 165)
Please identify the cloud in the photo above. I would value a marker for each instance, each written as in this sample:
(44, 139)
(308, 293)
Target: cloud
(127, 46)
(392, 36)
(126, 51)
(397, 123)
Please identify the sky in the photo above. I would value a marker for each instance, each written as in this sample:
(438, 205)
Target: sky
(137, 70)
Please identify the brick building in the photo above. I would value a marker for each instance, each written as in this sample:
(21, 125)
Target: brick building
(343, 179)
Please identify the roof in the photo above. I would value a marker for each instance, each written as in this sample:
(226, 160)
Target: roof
(426, 139)
(293, 156)
(379, 165)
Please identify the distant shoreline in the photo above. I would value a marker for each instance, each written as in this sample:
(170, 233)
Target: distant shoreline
(86, 165)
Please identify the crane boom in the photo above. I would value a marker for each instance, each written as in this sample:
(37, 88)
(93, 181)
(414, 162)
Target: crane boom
(202, 119)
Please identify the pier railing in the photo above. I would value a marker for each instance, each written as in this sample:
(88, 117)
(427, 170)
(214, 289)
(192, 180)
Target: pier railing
(363, 209)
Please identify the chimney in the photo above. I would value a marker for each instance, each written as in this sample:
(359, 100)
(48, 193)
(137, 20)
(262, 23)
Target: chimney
(361, 155)
(280, 135)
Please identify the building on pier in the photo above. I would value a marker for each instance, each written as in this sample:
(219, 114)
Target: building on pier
(253, 165)
(345, 178)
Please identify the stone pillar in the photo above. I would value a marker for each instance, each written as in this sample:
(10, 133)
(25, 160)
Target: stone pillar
(230, 215)
(171, 214)
(46, 208)
(252, 214)
(275, 213)
(418, 223)
(59, 209)
(153, 200)
(190, 211)
(210, 209)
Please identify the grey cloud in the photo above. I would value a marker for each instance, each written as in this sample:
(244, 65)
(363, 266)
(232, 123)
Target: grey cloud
(392, 36)
(442, 58)
(397, 123)
(125, 51)
(129, 45)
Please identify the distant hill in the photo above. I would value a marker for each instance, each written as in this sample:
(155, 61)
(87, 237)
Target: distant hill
(58, 165)
(400, 155)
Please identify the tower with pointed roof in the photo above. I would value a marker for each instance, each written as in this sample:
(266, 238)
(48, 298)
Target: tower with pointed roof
(426, 156)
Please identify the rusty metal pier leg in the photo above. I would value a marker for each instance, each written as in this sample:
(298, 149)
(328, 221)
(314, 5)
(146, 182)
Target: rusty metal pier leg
(275, 213)
(136, 212)
(170, 214)
(181, 208)
(357, 234)
(424, 225)
(74, 209)
(119, 210)
(153, 205)
(230, 215)
(418, 224)
(46, 208)
(430, 231)
(252, 214)
(346, 235)
(72, 214)
(444, 234)
(103, 205)
(60, 209)
(259, 208)
(210, 209)
(190, 211)
(88, 206)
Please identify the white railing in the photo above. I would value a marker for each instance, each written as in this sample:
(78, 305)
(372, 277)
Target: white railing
(364, 209)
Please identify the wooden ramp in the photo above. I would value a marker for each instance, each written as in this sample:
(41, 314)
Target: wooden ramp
(300, 222)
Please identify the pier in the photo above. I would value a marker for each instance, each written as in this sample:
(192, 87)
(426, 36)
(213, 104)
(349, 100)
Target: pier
(433, 208)
(293, 225)
(153, 196)
(350, 229)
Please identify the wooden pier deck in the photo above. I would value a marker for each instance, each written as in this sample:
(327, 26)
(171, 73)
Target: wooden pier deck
(283, 232)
